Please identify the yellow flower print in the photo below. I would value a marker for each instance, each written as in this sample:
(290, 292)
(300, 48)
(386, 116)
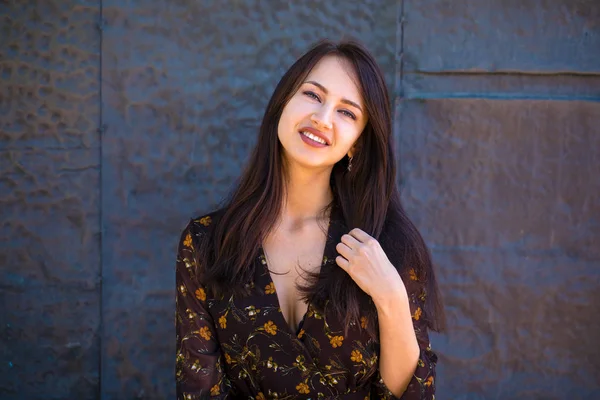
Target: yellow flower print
(205, 332)
(303, 388)
(363, 322)
(301, 333)
(228, 359)
(373, 360)
(190, 314)
(214, 391)
(223, 321)
(413, 275)
(205, 220)
(336, 341)
(200, 294)
(356, 356)
(429, 381)
(271, 364)
(187, 242)
(271, 328)
(421, 363)
(196, 366)
(270, 288)
(417, 314)
(260, 396)
(252, 312)
(312, 313)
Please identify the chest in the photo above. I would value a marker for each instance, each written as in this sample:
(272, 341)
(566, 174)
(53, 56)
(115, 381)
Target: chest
(255, 338)
(289, 259)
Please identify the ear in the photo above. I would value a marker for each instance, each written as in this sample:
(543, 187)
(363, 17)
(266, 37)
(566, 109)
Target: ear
(355, 148)
(352, 151)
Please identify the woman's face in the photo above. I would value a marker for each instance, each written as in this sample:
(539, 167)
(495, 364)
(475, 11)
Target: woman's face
(325, 117)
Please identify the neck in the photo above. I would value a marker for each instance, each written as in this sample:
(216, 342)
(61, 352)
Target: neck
(307, 193)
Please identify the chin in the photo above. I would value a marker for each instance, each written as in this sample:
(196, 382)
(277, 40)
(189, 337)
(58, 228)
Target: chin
(310, 162)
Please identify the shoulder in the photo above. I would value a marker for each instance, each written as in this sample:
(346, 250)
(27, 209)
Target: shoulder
(201, 225)
(191, 241)
(205, 223)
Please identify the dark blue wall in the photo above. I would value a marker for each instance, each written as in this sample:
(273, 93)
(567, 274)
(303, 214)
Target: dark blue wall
(120, 120)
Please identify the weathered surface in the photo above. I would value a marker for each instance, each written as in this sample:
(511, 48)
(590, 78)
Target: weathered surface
(184, 89)
(49, 199)
(498, 148)
(505, 191)
(502, 86)
(507, 195)
(526, 35)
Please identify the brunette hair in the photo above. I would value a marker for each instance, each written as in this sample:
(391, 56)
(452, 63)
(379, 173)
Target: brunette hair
(367, 197)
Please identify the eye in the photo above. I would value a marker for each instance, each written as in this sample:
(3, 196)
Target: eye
(348, 114)
(311, 94)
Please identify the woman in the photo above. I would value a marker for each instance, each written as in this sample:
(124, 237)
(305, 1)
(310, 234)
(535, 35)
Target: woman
(311, 282)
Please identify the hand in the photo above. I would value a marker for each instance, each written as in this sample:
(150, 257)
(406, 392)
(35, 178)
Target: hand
(362, 257)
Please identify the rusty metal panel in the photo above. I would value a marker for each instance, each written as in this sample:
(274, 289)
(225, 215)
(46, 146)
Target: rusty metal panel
(49, 199)
(184, 89)
(525, 35)
(530, 49)
(502, 86)
(507, 195)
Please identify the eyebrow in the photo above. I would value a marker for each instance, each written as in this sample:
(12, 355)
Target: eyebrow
(346, 101)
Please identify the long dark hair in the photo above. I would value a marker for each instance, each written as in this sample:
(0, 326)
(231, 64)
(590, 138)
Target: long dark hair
(367, 197)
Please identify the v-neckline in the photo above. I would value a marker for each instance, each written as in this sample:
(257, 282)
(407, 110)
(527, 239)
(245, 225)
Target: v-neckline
(325, 258)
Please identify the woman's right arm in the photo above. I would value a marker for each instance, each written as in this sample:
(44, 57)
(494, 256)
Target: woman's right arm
(199, 365)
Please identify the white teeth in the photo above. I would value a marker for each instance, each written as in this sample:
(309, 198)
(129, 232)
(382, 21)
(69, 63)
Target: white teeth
(313, 137)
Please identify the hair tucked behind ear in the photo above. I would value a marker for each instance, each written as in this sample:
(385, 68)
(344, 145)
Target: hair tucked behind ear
(367, 197)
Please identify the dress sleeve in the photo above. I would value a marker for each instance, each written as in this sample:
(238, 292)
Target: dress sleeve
(199, 373)
(422, 384)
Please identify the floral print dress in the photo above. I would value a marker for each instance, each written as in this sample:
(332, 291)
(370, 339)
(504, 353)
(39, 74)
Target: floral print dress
(241, 347)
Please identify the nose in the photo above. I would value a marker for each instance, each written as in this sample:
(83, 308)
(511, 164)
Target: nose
(322, 118)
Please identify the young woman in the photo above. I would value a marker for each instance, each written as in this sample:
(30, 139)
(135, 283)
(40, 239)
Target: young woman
(311, 282)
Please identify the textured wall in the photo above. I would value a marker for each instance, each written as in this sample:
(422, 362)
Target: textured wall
(507, 195)
(49, 199)
(500, 147)
(184, 88)
(127, 118)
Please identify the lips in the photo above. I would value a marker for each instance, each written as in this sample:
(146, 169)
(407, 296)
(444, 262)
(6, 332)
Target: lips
(316, 133)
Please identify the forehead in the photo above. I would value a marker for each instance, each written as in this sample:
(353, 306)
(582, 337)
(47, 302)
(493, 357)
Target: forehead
(338, 77)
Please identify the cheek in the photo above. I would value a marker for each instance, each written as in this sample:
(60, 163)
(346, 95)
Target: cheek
(284, 121)
(348, 134)
(295, 112)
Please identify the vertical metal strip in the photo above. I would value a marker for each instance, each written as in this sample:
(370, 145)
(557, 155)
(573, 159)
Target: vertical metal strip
(398, 88)
(101, 130)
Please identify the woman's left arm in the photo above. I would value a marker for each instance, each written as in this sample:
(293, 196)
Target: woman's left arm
(407, 364)
(406, 372)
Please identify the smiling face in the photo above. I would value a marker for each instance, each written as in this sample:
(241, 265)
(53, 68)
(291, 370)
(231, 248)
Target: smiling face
(324, 118)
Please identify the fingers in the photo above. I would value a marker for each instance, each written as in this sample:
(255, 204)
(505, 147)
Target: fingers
(344, 250)
(350, 241)
(360, 235)
(352, 244)
(342, 262)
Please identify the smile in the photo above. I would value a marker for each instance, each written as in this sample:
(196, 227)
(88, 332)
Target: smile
(313, 137)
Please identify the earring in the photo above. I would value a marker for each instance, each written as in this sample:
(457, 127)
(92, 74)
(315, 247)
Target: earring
(350, 163)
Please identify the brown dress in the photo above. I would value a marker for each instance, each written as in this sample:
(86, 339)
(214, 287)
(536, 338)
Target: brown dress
(241, 347)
